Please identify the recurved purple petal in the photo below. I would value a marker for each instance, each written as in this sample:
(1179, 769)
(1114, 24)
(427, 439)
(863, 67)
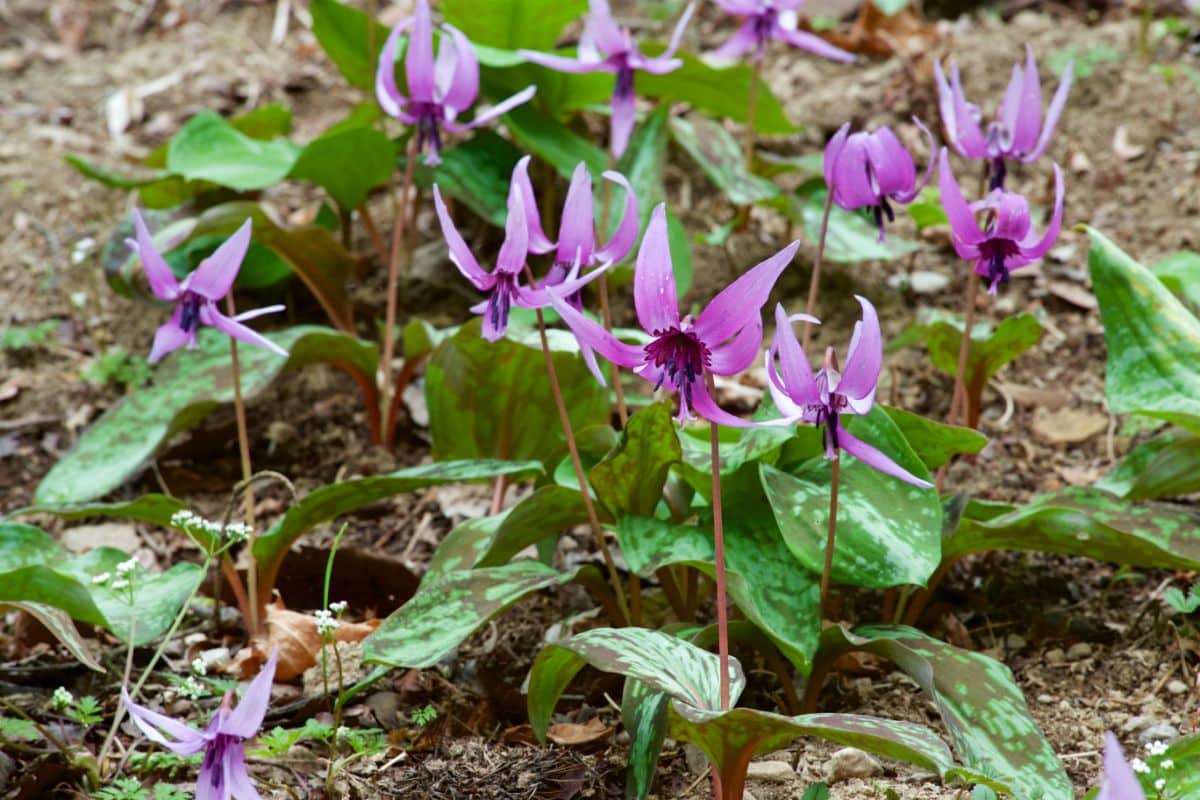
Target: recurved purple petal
(216, 274)
(741, 302)
(833, 151)
(386, 91)
(876, 459)
(158, 273)
(795, 373)
(246, 719)
(962, 221)
(241, 786)
(209, 315)
(854, 184)
(743, 40)
(625, 235)
(538, 241)
(1119, 781)
(789, 410)
(677, 34)
(169, 337)
(946, 106)
(457, 71)
(1010, 111)
(739, 352)
(593, 336)
(602, 31)
(659, 65)
(492, 113)
(259, 312)
(1052, 114)
(577, 230)
(563, 63)
(539, 297)
(514, 250)
(161, 729)
(418, 58)
(1051, 235)
(623, 114)
(811, 43)
(909, 196)
(704, 405)
(460, 254)
(894, 170)
(967, 136)
(654, 296)
(1029, 115)
(864, 359)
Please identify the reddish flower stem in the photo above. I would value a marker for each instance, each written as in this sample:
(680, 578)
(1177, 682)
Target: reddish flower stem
(239, 405)
(389, 327)
(831, 538)
(814, 285)
(719, 548)
(959, 402)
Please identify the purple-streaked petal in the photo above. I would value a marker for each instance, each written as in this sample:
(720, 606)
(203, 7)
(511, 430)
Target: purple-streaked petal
(564, 63)
(514, 250)
(833, 150)
(946, 106)
(1051, 236)
(460, 254)
(495, 315)
(908, 197)
(259, 312)
(161, 729)
(568, 286)
(876, 459)
(458, 81)
(1119, 781)
(741, 302)
(741, 42)
(216, 274)
(169, 337)
(418, 58)
(577, 228)
(739, 352)
(740, 7)
(790, 412)
(795, 373)
(593, 336)
(1010, 109)
(966, 136)
(1029, 115)
(1011, 215)
(623, 113)
(246, 719)
(493, 112)
(538, 241)
(602, 31)
(386, 91)
(654, 296)
(704, 405)
(864, 359)
(158, 273)
(209, 315)
(1052, 114)
(812, 43)
(853, 186)
(892, 163)
(962, 221)
(237, 779)
(625, 235)
(677, 34)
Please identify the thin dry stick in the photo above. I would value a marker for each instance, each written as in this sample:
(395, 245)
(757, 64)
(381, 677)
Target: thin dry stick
(239, 406)
(112, 731)
(751, 115)
(719, 548)
(829, 541)
(389, 328)
(814, 285)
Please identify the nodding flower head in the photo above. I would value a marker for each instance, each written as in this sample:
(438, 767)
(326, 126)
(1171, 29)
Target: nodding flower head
(438, 91)
(764, 20)
(1006, 241)
(1017, 131)
(872, 170)
(605, 46)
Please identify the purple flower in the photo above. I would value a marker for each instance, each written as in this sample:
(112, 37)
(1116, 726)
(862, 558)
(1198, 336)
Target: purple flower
(196, 297)
(223, 772)
(765, 20)
(1008, 241)
(1119, 781)
(723, 340)
(823, 398)
(607, 47)
(866, 170)
(576, 246)
(503, 284)
(1017, 132)
(437, 91)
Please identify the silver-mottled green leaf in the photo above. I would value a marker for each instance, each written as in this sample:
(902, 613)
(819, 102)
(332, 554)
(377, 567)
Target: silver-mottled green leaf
(719, 155)
(630, 479)
(1180, 272)
(1166, 466)
(209, 148)
(59, 623)
(935, 442)
(644, 715)
(850, 238)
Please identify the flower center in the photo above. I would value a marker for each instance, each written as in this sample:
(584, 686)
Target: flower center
(681, 356)
(994, 253)
(189, 312)
(501, 300)
(999, 138)
(764, 23)
(624, 85)
(429, 131)
(214, 756)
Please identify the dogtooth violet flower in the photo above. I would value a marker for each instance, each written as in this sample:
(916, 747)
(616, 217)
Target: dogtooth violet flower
(764, 20)
(223, 772)
(1007, 241)
(577, 230)
(867, 170)
(438, 90)
(1017, 132)
(1119, 782)
(503, 284)
(605, 46)
(196, 297)
(723, 340)
(822, 399)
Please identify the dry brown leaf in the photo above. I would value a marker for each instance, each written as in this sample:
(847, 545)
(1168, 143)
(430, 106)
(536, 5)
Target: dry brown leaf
(905, 33)
(575, 734)
(1051, 399)
(1069, 425)
(1074, 294)
(295, 634)
(1125, 149)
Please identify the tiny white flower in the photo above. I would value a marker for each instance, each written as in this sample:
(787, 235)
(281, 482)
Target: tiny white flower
(61, 698)
(199, 666)
(119, 584)
(101, 578)
(1156, 748)
(126, 567)
(339, 607)
(326, 624)
(1167, 763)
(1160, 784)
(238, 531)
(1139, 766)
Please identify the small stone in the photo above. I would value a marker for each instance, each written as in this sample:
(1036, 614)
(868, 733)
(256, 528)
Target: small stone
(1079, 651)
(1014, 643)
(1159, 732)
(1055, 657)
(1177, 687)
(850, 762)
(771, 771)
(697, 762)
(1137, 723)
(1045, 699)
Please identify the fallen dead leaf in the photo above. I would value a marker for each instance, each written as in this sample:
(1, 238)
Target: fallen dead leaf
(1125, 149)
(1074, 294)
(1069, 425)
(575, 734)
(1051, 399)
(295, 634)
(905, 33)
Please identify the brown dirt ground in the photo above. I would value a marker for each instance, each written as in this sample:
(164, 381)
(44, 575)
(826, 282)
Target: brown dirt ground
(52, 98)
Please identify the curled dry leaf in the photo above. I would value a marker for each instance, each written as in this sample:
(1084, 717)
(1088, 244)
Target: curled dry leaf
(1069, 425)
(1125, 149)
(576, 734)
(295, 634)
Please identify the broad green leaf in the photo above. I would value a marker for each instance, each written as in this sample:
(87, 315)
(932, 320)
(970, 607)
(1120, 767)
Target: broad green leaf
(477, 173)
(776, 593)
(630, 479)
(888, 531)
(550, 140)
(981, 706)
(264, 123)
(188, 385)
(716, 92)
(663, 663)
(512, 24)
(1153, 340)
(59, 623)
(441, 615)
(719, 155)
(330, 502)
(28, 557)
(157, 596)
(1166, 466)
(927, 211)
(209, 148)
(1086, 522)
(850, 238)
(490, 541)
(505, 73)
(644, 715)
(1180, 272)
(738, 447)
(935, 442)
(115, 180)
(348, 164)
(344, 35)
(493, 399)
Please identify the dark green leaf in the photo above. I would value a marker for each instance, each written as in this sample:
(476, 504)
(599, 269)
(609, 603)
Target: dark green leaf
(346, 36)
(27, 559)
(265, 122)
(935, 442)
(816, 791)
(720, 157)
(262, 268)
(477, 173)
(513, 24)
(630, 480)
(716, 92)
(550, 140)
(347, 164)
(1166, 466)
(209, 148)
(1180, 272)
(643, 163)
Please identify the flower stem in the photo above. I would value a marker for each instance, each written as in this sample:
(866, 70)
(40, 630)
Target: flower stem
(751, 115)
(577, 463)
(239, 405)
(112, 732)
(814, 285)
(389, 327)
(960, 404)
(830, 539)
(719, 557)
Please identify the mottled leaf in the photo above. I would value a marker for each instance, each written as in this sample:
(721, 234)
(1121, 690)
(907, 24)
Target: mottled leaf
(737, 448)
(59, 623)
(630, 479)
(719, 155)
(1180, 272)
(935, 443)
(644, 716)
(1166, 466)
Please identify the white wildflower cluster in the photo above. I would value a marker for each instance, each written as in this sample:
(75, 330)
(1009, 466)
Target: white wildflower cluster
(126, 568)
(1139, 766)
(195, 525)
(338, 607)
(61, 699)
(1166, 763)
(1160, 784)
(102, 578)
(192, 689)
(1156, 748)
(238, 531)
(326, 622)
(199, 666)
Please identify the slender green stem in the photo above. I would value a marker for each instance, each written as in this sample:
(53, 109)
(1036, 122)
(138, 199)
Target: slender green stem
(112, 731)
(830, 539)
(719, 548)
(814, 284)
